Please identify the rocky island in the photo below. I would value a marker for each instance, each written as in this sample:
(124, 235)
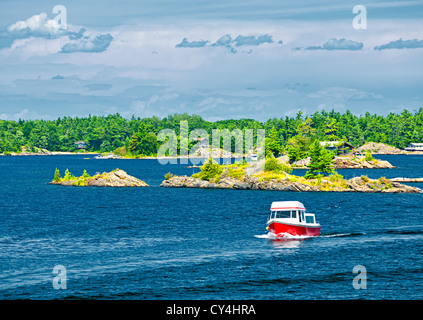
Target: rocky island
(348, 162)
(254, 177)
(115, 178)
(293, 183)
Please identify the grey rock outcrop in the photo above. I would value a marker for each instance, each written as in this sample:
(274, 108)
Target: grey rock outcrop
(116, 178)
(254, 183)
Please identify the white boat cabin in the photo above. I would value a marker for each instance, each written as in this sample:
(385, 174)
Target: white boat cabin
(291, 212)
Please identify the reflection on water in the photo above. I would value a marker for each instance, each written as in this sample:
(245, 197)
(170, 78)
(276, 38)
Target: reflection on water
(286, 243)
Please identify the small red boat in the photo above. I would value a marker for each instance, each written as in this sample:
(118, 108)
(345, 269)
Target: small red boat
(290, 217)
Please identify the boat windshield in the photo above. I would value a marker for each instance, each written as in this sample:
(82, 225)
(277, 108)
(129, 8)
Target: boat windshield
(283, 214)
(279, 214)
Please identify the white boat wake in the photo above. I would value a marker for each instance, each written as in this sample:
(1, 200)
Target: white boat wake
(281, 236)
(287, 236)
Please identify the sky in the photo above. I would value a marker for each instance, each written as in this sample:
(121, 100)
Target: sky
(221, 59)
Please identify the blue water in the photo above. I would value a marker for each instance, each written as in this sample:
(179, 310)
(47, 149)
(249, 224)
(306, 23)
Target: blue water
(163, 243)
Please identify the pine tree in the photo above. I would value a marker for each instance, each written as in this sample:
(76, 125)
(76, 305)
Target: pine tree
(68, 175)
(85, 174)
(57, 176)
(273, 143)
(209, 170)
(133, 144)
(321, 161)
(331, 129)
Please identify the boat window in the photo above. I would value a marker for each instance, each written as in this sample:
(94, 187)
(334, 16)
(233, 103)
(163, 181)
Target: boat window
(283, 214)
(294, 214)
(309, 219)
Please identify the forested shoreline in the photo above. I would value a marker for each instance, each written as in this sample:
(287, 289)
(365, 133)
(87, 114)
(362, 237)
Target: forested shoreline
(138, 136)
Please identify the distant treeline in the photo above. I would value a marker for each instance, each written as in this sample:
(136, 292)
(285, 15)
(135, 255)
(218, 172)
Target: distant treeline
(139, 135)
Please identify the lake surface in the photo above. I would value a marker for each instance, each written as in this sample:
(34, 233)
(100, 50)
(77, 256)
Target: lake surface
(164, 243)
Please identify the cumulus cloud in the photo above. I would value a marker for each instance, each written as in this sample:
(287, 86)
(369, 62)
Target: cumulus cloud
(40, 25)
(252, 40)
(228, 42)
(224, 41)
(193, 44)
(99, 44)
(401, 44)
(338, 44)
(240, 40)
(40, 28)
(37, 25)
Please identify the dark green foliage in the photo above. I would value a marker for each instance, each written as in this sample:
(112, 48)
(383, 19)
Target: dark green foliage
(139, 136)
(209, 170)
(369, 156)
(321, 161)
(272, 164)
(57, 176)
(85, 174)
(272, 143)
(298, 148)
(168, 176)
(68, 176)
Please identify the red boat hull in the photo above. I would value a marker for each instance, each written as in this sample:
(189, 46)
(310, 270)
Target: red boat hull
(295, 230)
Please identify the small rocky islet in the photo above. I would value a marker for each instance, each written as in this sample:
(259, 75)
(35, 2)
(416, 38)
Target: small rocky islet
(115, 178)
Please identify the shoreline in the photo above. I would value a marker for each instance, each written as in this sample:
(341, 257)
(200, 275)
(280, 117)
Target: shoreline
(68, 153)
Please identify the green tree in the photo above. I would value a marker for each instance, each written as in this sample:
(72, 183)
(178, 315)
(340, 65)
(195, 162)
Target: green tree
(273, 143)
(107, 133)
(68, 175)
(57, 176)
(272, 164)
(85, 174)
(368, 156)
(148, 144)
(299, 145)
(133, 144)
(321, 161)
(331, 129)
(209, 170)
(305, 128)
